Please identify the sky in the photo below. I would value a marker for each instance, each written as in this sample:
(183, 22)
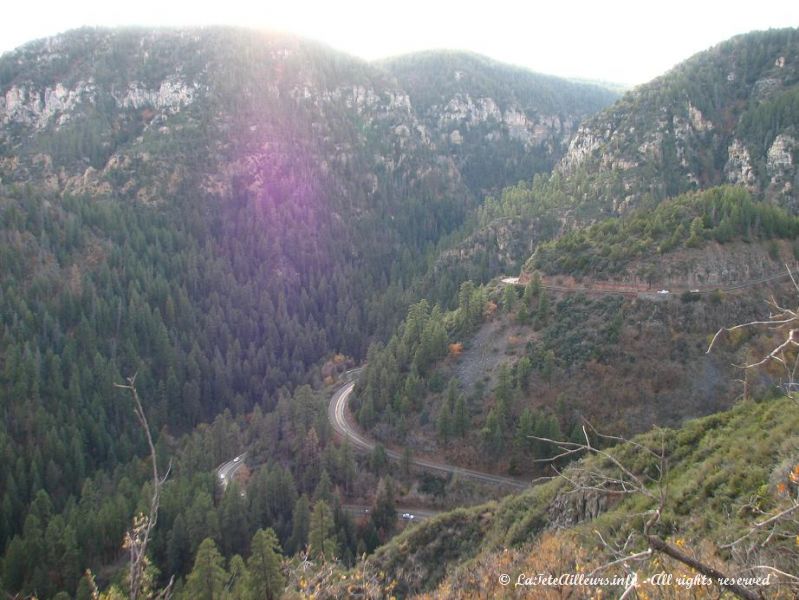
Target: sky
(620, 41)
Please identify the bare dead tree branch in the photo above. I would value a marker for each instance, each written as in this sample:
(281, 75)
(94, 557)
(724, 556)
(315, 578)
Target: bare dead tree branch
(723, 580)
(137, 538)
(780, 319)
(780, 523)
(770, 521)
(645, 555)
(593, 478)
(773, 570)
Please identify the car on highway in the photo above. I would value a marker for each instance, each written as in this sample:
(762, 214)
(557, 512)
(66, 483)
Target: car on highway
(407, 516)
(237, 459)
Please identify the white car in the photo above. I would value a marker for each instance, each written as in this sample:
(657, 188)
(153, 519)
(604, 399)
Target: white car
(663, 292)
(407, 516)
(237, 459)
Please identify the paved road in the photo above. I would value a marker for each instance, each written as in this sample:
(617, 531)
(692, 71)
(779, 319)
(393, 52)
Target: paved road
(419, 514)
(339, 418)
(226, 470)
(636, 289)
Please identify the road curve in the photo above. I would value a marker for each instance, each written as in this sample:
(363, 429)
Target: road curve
(225, 471)
(338, 415)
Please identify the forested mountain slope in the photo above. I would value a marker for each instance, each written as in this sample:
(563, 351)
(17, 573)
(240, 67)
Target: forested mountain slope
(501, 124)
(672, 214)
(217, 210)
(727, 115)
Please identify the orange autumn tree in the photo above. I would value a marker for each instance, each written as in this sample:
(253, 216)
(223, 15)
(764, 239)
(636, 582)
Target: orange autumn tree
(455, 349)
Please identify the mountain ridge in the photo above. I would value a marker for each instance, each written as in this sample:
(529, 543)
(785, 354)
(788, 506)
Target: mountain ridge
(695, 126)
(233, 215)
(226, 214)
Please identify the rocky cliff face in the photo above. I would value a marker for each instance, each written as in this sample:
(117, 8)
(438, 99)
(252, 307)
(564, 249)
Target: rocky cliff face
(465, 112)
(571, 507)
(500, 124)
(84, 110)
(42, 107)
(727, 115)
(140, 114)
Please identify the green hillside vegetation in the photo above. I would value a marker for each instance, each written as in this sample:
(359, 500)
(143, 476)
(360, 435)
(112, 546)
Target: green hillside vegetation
(238, 217)
(540, 214)
(499, 236)
(396, 375)
(763, 122)
(712, 485)
(689, 221)
(288, 474)
(218, 301)
(524, 360)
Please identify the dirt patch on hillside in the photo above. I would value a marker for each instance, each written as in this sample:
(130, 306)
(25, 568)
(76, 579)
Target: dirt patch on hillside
(492, 345)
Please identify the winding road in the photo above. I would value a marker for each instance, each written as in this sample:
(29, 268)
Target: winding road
(341, 421)
(227, 470)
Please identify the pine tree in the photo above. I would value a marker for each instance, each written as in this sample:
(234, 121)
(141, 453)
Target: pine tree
(548, 366)
(523, 370)
(345, 533)
(509, 298)
(239, 582)
(548, 428)
(444, 423)
(378, 459)
(460, 420)
(366, 415)
(234, 521)
(84, 591)
(347, 461)
(492, 434)
(524, 430)
(178, 553)
(384, 512)
(299, 525)
(15, 565)
(523, 315)
(266, 581)
(542, 315)
(324, 489)
(321, 539)
(208, 577)
(531, 290)
(310, 461)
